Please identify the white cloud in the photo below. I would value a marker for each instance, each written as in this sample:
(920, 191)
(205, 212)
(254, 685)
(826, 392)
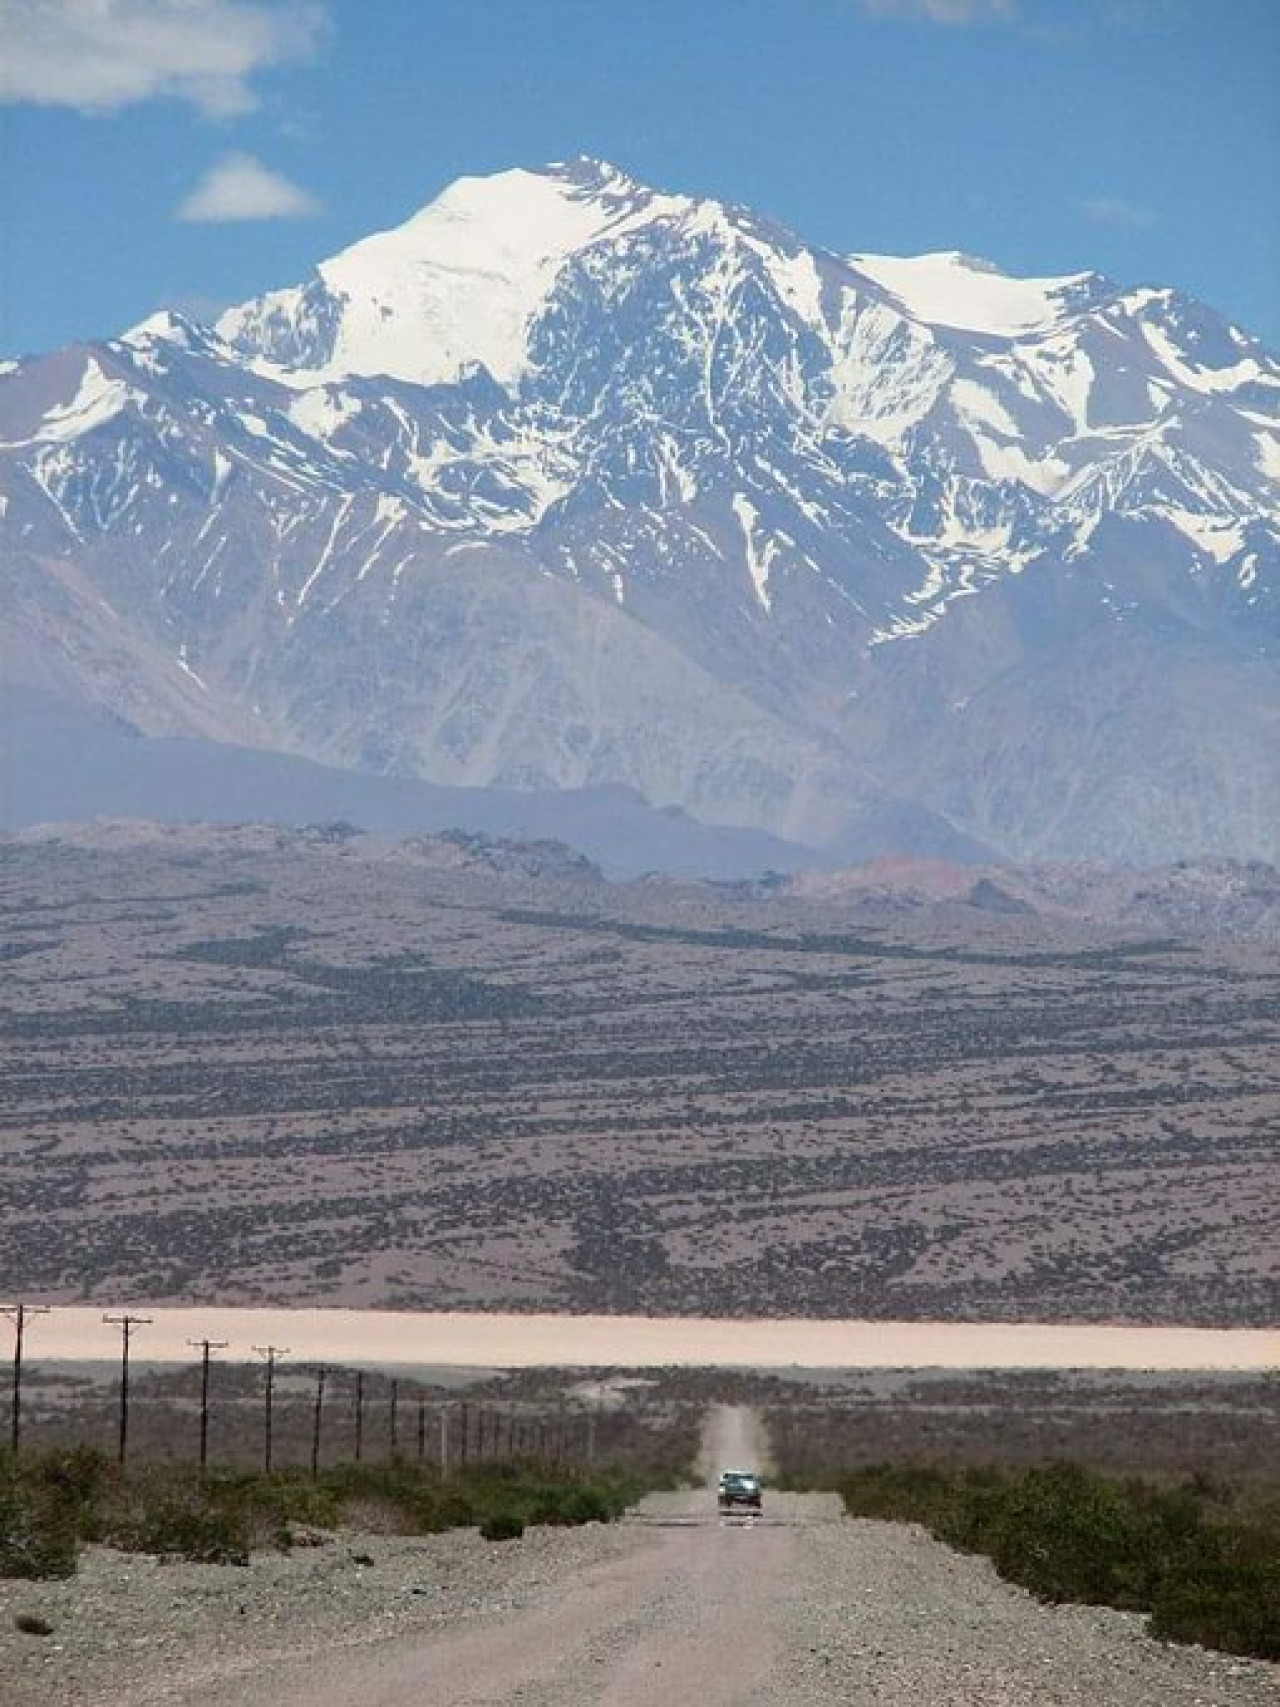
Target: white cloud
(1115, 210)
(240, 187)
(100, 55)
(943, 11)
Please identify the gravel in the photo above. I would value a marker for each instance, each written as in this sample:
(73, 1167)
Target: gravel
(673, 1607)
(133, 1629)
(818, 1609)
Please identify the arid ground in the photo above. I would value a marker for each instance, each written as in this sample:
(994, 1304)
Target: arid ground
(675, 1605)
(258, 1066)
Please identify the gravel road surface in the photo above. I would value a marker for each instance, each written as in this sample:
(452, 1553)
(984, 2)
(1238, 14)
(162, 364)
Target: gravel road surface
(673, 1607)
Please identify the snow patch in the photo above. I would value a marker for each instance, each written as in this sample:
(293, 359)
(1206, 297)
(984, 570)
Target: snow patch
(797, 281)
(1267, 454)
(98, 399)
(1203, 379)
(886, 372)
(1218, 537)
(322, 411)
(973, 402)
(951, 289)
(1066, 372)
(1047, 475)
(183, 665)
(760, 555)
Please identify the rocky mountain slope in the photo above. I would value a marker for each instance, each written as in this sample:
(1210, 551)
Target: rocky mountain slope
(569, 482)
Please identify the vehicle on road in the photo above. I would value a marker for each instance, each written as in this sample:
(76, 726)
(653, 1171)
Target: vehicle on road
(740, 1488)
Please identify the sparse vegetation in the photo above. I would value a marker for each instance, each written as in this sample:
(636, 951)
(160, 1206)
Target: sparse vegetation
(502, 1526)
(53, 1502)
(427, 1082)
(1203, 1560)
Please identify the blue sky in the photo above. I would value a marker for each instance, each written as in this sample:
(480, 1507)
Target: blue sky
(196, 152)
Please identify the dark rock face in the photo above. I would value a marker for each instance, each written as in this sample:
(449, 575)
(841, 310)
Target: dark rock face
(990, 897)
(567, 483)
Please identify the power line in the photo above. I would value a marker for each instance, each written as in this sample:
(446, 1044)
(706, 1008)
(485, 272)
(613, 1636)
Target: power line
(271, 1353)
(18, 1314)
(316, 1415)
(126, 1323)
(206, 1346)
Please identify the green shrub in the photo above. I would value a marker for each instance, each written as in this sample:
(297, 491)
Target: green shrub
(40, 1522)
(1069, 1535)
(589, 1505)
(179, 1529)
(502, 1526)
(179, 1517)
(52, 1502)
(1224, 1595)
(33, 1547)
(1203, 1570)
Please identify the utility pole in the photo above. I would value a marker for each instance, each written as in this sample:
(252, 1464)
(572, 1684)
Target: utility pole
(422, 1427)
(206, 1346)
(444, 1443)
(359, 1415)
(18, 1314)
(271, 1353)
(317, 1413)
(126, 1323)
(395, 1432)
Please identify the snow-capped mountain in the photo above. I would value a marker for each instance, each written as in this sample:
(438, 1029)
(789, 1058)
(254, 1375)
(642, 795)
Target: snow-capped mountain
(566, 481)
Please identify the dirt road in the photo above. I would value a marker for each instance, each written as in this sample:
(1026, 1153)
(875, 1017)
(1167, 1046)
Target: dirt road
(676, 1607)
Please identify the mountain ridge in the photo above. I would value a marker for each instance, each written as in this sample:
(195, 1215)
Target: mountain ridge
(722, 518)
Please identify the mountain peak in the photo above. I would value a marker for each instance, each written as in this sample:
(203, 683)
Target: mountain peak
(456, 283)
(484, 195)
(167, 326)
(587, 172)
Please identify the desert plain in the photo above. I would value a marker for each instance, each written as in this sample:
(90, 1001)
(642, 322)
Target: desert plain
(264, 1067)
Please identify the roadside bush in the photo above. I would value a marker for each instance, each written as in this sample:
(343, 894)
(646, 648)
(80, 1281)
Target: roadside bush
(502, 1526)
(45, 1506)
(52, 1502)
(1065, 1535)
(1205, 1567)
(1225, 1595)
(35, 1542)
(207, 1524)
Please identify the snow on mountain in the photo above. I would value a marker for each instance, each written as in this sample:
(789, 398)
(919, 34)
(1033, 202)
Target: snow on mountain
(951, 289)
(454, 286)
(567, 481)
